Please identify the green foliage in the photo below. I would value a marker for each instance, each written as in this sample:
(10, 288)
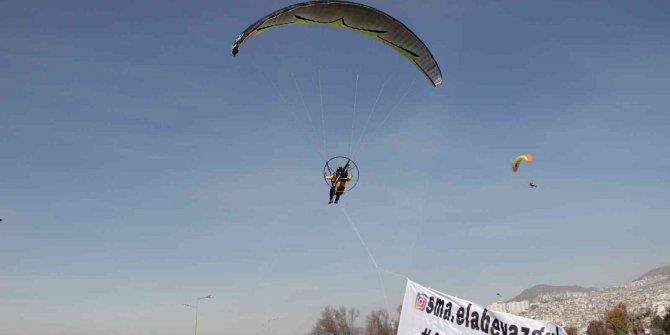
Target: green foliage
(657, 326)
(666, 321)
(636, 322)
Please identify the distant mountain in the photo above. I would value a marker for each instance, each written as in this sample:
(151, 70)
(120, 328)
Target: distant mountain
(538, 290)
(663, 270)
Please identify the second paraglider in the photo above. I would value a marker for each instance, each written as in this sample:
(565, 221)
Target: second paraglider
(517, 161)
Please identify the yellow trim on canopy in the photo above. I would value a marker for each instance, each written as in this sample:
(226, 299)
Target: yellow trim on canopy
(340, 24)
(526, 157)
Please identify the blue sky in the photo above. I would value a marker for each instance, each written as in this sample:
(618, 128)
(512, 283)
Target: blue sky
(144, 166)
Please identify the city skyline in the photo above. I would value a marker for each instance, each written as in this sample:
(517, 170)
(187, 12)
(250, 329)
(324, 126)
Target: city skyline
(578, 308)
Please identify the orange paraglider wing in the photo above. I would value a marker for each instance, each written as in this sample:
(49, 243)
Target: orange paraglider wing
(525, 157)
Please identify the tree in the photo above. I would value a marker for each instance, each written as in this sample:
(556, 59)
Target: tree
(572, 330)
(597, 327)
(616, 319)
(666, 321)
(636, 321)
(378, 322)
(336, 321)
(657, 325)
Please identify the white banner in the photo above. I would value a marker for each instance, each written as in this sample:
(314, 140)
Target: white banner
(426, 311)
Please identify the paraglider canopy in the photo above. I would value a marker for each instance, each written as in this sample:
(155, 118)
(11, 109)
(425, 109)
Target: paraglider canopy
(354, 16)
(525, 157)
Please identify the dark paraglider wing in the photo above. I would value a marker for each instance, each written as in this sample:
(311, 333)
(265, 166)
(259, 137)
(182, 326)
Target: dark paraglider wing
(357, 17)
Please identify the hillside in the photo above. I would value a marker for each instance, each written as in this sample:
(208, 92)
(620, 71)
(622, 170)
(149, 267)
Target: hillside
(538, 290)
(663, 270)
